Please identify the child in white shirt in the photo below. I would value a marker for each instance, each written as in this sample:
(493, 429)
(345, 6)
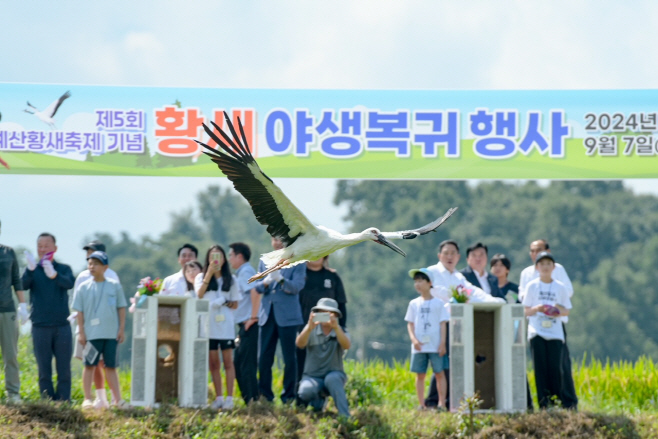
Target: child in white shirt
(426, 323)
(545, 301)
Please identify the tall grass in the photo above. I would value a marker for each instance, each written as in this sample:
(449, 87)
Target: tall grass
(624, 386)
(620, 386)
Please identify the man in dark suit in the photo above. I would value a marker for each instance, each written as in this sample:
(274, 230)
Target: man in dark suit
(279, 316)
(477, 258)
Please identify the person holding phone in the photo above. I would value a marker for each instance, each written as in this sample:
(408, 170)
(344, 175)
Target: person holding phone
(325, 342)
(220, 288)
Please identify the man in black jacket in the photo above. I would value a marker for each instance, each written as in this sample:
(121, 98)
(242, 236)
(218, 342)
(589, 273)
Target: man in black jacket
(49, 282)
(477, 258)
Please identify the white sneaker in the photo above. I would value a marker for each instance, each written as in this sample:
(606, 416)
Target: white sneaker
(87, 404)
(99, 404)
(14, 398)
(228, 403)
(217, 404)
(122, 405)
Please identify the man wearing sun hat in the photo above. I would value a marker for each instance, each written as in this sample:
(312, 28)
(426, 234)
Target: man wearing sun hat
(325, 342)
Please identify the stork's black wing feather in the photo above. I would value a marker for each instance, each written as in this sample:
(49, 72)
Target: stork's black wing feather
(269, 204)
(59, 102)
(431, 227)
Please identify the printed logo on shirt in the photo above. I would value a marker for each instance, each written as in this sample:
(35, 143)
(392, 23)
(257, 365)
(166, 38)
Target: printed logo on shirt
(548, 296)
(327, 283)
(424, 317)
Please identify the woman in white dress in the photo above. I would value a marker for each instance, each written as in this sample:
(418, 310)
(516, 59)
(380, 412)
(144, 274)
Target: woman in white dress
(216, 284)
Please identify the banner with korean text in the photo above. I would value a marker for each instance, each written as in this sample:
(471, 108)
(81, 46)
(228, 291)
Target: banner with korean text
(412, 134)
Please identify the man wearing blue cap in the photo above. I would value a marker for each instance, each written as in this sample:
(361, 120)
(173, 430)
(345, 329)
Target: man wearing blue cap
(101, 307)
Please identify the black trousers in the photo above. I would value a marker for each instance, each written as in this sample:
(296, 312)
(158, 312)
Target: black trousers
(547, 359)
(301, 359)
(270, 333)
(53, 342)
(246, 363)
(568, 395)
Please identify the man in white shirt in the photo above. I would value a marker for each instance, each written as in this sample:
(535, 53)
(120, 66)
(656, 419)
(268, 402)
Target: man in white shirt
(175, 285)
(568, 396)
(445, 277)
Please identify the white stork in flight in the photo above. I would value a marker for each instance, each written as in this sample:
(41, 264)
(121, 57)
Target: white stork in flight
(303, 241)
(48, 114)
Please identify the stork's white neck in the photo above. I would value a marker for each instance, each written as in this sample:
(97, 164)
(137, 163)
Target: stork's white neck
(356, 237)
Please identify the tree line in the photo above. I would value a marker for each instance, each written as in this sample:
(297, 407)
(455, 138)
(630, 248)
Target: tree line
(604, 235)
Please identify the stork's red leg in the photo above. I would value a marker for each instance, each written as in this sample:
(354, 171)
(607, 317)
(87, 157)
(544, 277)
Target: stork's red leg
(279, 265)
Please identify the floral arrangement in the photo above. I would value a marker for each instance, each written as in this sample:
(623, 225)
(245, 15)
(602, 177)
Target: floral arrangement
(146, 287)
(460, 294)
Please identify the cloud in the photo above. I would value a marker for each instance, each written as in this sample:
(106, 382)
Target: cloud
(367, 44)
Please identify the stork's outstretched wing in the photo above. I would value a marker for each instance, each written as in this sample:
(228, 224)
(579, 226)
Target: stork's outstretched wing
(269, 204)
(431, 227)
(52, 108)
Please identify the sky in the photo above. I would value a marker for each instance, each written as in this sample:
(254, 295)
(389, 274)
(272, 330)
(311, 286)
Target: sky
(426, 45)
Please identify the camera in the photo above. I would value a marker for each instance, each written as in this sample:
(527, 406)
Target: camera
(322, 317)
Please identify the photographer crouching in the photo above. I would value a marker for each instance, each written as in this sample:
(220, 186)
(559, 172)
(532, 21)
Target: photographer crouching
(325, 342)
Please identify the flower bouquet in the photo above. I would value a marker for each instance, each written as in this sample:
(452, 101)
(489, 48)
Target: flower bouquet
(460, 294)
(146, 287)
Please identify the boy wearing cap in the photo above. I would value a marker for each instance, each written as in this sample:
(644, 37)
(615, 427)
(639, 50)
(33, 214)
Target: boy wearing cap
(426, 322)
(325, 342)
(545, 301)
(101, 307)
(99, 380)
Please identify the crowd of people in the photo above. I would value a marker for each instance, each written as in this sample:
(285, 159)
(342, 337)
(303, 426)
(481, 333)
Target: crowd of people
(544, 290)
(302, 308)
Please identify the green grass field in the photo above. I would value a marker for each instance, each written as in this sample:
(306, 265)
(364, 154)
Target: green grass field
(616, 400)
